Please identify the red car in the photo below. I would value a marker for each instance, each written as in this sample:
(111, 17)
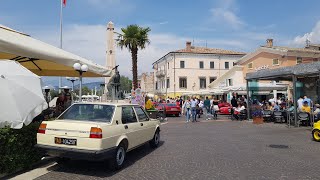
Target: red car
(169, 108)
(224, 108)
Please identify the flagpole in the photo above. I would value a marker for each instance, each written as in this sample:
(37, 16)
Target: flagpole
(61, 7)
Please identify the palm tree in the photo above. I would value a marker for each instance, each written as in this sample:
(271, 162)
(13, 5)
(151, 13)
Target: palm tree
(134, 37)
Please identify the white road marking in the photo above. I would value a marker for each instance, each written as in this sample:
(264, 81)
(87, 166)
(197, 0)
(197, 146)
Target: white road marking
(164, 123)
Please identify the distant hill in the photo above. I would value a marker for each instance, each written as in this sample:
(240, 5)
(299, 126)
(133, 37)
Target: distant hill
(91, 85)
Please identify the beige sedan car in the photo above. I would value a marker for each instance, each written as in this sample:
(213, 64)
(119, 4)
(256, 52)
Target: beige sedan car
(98, 131)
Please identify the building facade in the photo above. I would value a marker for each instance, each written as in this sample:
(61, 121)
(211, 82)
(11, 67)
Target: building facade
(191, 69)
(146, 83)
(268, 57)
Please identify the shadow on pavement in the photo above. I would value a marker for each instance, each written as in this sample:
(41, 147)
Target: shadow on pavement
(101, 169)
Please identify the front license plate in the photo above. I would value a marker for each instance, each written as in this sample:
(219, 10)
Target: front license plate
(66, 141)
(174, 109)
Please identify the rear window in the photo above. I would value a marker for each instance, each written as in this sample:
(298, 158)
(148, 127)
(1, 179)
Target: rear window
(171, 105)
(89, 112)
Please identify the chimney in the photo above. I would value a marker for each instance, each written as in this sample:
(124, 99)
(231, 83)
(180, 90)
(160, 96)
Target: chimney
(269, 43)
(188, 46)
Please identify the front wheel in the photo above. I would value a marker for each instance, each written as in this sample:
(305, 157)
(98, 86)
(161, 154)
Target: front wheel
(156, 140)
(316, 135)
(118, 158)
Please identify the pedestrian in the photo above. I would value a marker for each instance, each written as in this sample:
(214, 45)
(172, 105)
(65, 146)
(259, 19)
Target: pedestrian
(194, 109)
(186, 110)
(300, 103)
(60, 104)
(206, 108)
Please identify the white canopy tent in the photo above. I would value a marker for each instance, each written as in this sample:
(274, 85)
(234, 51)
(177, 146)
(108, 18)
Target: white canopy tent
(43, 59)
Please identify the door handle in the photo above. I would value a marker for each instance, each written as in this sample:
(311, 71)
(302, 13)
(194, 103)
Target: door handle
(141, 124)
(126, 126)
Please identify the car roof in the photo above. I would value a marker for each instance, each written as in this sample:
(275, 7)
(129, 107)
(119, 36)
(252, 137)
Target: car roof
(109, 103)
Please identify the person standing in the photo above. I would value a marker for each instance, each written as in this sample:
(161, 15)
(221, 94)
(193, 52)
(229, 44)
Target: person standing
(206, 108)
(300, 103)
(186, 109)
(308, 100)
(194, 109)
(234, 104)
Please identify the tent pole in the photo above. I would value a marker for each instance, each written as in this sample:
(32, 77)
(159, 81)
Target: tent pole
(294, 98)
(248, 100)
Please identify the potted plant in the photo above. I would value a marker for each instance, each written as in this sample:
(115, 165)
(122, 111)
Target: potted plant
(256, 113)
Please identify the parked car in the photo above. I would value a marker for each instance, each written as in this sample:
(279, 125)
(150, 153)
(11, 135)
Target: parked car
(224, 108)
(169, 108)
(98, 131)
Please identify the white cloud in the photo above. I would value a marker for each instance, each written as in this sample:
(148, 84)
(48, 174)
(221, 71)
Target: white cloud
(89, 41)
(313, 36)
(225, 13)
(164, 22)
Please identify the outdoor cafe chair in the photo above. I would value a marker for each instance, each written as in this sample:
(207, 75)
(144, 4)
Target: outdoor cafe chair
(278, 117)
(303, 118)
(243, 115)
(267, 115)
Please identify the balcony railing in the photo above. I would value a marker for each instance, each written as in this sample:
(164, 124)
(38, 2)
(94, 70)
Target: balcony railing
(160, 74)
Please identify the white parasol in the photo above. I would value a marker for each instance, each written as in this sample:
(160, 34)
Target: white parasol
(21, 95)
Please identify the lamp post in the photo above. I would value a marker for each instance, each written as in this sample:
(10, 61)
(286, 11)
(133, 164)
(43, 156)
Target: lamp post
(81, 69)
(72, 79)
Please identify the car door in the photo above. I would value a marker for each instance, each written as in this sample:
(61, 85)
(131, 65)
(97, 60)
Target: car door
(146, 126)
(131, 126)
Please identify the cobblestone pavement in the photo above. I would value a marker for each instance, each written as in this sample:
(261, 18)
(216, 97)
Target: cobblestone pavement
(212, 149)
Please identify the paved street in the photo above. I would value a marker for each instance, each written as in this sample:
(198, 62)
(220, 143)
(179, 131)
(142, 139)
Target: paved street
(212, 150)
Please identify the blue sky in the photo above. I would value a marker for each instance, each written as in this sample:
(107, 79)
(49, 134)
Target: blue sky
(230, 24)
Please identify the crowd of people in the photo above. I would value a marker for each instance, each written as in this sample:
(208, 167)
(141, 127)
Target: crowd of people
(193, 107)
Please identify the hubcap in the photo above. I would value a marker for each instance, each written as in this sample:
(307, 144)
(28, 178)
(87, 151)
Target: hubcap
(157, 138)
(316, 135)
(120, 156)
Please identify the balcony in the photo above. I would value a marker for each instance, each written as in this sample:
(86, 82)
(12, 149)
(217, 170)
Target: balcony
(160, 74)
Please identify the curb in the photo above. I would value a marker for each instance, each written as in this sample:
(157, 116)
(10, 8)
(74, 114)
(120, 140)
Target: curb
(42, 162)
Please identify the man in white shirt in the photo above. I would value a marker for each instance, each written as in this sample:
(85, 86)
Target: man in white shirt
(300, 103)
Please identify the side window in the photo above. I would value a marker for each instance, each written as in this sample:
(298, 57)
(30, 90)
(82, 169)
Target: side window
(141, 114)
(128, 115)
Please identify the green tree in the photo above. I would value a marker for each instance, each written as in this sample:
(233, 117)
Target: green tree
(85, 90)
(134, 37)
(126, 83)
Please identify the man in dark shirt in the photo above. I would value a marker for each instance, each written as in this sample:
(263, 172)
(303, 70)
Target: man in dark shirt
(234, 104)
(206, 105)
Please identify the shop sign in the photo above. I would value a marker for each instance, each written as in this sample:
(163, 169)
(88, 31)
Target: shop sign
(262, 67)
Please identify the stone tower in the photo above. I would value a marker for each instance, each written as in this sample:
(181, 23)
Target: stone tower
(110, 51)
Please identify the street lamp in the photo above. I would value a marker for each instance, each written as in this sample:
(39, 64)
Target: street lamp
(72, 79)
(81, 69)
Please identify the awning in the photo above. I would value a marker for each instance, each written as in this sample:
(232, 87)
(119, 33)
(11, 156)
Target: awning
(285, 73)
(43, 59)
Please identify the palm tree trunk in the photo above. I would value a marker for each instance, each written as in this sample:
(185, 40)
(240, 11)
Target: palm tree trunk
(134, 56)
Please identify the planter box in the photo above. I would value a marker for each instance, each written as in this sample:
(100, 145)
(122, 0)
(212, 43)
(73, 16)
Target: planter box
(152, 113)
(257, 120)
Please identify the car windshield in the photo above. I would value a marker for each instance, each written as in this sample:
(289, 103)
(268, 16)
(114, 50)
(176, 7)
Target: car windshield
(89, 112)
(171, 105)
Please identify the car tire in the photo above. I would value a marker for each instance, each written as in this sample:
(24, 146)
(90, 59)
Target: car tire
(154, 143)
(119, 157)
(316, 135)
